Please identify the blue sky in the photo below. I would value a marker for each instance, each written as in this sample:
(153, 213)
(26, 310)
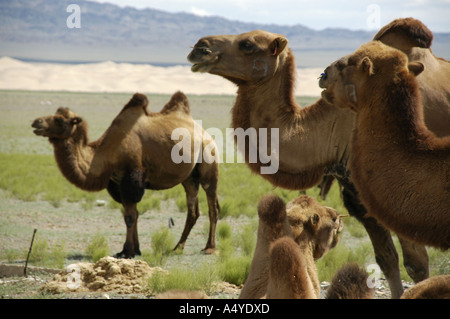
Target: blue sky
(316, 14)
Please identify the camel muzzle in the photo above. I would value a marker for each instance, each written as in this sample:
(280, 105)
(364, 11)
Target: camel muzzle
(202, 58)
(38, 124)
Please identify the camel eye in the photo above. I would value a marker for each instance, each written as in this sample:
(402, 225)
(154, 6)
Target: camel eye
(246, 46)
(340, 66)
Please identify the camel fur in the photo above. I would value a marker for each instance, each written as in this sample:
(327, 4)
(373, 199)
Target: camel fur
(132, 155)
(350, 282)
(314, 140)
(437, 287)
(400, 168)
(314, 230)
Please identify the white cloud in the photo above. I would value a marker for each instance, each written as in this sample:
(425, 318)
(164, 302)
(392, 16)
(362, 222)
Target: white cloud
(199, 12)
(318, 15)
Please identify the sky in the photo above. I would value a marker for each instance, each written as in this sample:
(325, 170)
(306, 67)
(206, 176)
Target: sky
(365, 15)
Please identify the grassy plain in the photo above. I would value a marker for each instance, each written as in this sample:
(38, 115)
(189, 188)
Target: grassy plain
(33, 194)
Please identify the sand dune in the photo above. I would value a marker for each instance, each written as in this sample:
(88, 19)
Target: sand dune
(124, 77)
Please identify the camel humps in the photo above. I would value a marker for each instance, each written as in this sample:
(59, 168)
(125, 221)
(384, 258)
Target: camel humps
(400, 168)
(132, 155)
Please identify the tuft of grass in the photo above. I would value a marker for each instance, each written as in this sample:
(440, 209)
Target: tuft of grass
(223, 231)
(328, 265)
(162, 244)
(42, 254)
(97, 248)
(181, 278)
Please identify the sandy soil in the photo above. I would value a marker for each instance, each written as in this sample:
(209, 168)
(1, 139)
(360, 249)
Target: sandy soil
(124, 77)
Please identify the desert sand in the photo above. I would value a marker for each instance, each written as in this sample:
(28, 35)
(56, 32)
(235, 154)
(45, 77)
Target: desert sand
(110, 76)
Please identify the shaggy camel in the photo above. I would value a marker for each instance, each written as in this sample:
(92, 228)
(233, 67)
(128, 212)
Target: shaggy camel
(134, 154)
(437, 287)
(350, 282)
(314, 140)
(314, 228)
(400, 169)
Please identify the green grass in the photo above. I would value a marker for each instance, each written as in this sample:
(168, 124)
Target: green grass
(97, 248)
(162, 247)
(42, 254)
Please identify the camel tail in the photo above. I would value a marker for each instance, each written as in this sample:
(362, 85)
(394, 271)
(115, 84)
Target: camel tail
(350, 282)
(178, 102)
(272, 209)
(414, 30)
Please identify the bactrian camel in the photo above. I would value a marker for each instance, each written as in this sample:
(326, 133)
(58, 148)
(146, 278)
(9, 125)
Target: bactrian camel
(290, 239)
(314, 140)
(132, 155)
(400, 168)
(314, 228)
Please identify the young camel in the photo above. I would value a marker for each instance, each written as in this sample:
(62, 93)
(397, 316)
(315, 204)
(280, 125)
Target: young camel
(313, 228)
(437, 287)
(134, 154)
(400, 169)
(314, 140)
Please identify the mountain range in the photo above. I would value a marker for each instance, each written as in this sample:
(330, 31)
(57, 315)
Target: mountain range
(41, 30)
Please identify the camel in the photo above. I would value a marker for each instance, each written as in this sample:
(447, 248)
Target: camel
(400, 168)
(314, 140)
(314, 229)
(437, 287)
(350, 282)
(132, 155)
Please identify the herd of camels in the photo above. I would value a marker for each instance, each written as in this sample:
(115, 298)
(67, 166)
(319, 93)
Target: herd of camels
(381, 130)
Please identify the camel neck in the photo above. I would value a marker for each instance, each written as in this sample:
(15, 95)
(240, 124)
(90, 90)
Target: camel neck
(74, 157)
(267, 98)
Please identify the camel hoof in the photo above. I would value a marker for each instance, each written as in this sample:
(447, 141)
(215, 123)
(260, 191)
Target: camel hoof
(208, 251)
(124, 255)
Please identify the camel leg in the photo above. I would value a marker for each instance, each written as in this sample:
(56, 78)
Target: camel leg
(131, 246)
(191, 186)
(385, 253)
(214, 210)
(415, 260)
(131, 191)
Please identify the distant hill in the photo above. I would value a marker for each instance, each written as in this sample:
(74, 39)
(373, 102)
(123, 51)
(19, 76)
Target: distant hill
(37, 30)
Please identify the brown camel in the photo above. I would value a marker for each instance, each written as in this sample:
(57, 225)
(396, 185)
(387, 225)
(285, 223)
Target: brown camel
(314, 140)
(437, 287)
(134, 154)
(350, 282)
(314, 229)
(400, 169)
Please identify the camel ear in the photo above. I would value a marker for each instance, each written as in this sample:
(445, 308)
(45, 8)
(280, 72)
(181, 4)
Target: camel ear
(416, 68)
(76, 120)
(278, 45)
(367, 66)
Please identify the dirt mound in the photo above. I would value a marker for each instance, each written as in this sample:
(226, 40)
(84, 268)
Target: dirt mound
(123, 276)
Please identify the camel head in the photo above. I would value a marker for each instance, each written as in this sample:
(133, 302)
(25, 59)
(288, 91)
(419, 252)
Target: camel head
(354, 79)
(244, 58)
(61, 125)
(318, 224)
